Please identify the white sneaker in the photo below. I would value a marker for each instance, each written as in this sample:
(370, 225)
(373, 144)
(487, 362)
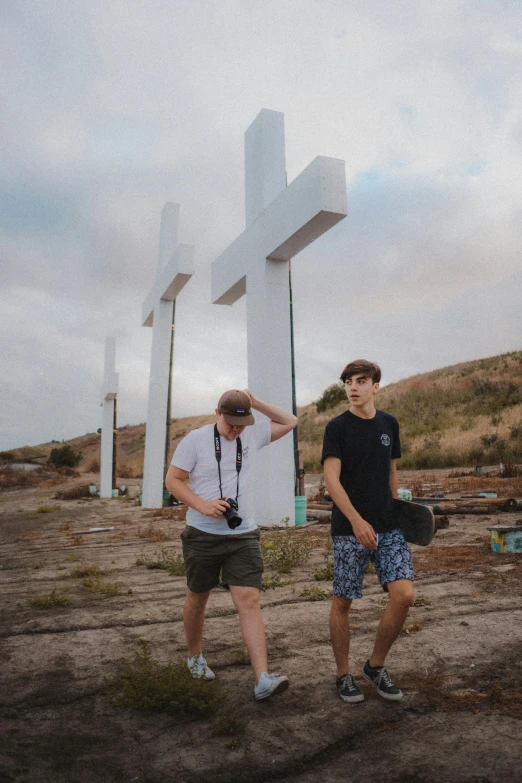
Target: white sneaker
(270, 684)
(198, 666)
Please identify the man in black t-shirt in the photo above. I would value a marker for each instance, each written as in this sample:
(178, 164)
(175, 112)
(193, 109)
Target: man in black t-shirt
(360, 450)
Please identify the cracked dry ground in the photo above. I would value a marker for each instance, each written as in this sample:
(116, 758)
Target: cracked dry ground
(460, 665)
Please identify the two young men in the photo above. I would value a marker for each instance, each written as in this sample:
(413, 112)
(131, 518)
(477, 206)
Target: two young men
(359, 453)
(219, 460)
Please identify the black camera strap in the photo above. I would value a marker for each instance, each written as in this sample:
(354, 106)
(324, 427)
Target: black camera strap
(239, 459)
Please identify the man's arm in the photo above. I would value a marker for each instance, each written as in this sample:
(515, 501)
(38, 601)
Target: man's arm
(394, 480)
(363, 531)
(281, 422)
(175, 483)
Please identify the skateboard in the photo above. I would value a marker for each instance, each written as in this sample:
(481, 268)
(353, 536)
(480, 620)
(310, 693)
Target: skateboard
(417, 522)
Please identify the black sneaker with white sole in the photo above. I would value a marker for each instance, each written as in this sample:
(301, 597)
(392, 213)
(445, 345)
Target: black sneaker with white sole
(348, 690)
(380, 679)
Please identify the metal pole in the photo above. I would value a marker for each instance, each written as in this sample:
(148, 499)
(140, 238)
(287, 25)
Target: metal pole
(167, 438)
(294, 400)
(114, 443)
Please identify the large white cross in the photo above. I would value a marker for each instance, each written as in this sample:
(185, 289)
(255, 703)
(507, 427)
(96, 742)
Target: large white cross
(175, 268)
(109, 391)
(281, 221)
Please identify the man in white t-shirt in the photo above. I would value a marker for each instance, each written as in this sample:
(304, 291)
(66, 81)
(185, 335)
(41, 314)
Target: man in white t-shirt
(222, 539)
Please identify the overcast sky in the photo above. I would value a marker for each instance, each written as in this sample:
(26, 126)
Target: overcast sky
(110, 109)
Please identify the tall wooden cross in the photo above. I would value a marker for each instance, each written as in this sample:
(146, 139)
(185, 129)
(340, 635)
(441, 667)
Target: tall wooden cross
(281, 221)
(109, 391)
(175, 268)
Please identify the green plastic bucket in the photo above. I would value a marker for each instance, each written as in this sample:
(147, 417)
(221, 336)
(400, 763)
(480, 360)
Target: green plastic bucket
(300, 509)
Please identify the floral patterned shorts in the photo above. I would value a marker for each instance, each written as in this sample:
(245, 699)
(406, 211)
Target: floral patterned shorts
(392, 561)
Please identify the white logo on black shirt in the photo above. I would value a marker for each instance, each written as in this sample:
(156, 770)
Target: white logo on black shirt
(385, 440)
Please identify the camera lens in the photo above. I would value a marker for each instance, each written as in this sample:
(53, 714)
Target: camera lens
(231, 515)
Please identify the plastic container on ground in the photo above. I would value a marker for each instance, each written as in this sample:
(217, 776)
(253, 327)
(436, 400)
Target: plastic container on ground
(300, 510)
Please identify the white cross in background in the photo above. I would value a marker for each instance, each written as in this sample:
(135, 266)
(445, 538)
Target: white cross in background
(109, 391)
(175, 268)
(281, 221)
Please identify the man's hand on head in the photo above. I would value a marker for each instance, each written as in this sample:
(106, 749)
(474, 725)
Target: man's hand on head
(252, 398)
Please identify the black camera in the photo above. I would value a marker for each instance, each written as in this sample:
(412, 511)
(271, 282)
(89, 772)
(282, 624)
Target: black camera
(231, 515)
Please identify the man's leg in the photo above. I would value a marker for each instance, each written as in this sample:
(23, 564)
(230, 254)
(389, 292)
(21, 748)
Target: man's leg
(401, 596)
(247, 602)
(193, 619)
(340, 632)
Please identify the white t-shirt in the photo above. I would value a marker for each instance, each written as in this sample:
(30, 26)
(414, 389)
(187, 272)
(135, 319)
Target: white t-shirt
(196, 454)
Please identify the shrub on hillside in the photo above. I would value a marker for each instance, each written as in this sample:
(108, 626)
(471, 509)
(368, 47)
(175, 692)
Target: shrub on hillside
(489, 440)
(331, 397)
(6, 456)
(64, 456)
(492, 397)
(515, 432)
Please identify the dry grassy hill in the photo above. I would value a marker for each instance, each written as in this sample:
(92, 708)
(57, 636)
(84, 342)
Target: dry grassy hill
(466, 414)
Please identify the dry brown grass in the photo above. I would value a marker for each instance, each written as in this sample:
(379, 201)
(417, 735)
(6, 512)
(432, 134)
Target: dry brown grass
(454, 558)
(439, 559)
(153, 533)
(91, 466)
(503, 699)
(75, 540)
(169, 512)
(73, 493)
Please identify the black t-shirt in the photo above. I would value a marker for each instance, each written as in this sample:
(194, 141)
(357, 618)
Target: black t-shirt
(365, 448)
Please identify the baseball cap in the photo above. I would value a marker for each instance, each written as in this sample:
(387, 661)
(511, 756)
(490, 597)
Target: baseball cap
(235, 407)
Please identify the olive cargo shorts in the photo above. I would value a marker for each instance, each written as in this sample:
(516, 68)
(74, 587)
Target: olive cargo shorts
(237, 556)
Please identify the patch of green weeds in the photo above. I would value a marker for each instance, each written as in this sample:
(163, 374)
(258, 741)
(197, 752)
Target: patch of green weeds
(73, 558)
(80, 572)
(370, 568)
(326, 572)
(271, 581)
(410, 628)
(313, 593)
(284, 549)
(152, 687)
(228, 724)
(165, 560)
(47, 601)
(239, 656)
(420, 600)
(95, 584)
(47, 509)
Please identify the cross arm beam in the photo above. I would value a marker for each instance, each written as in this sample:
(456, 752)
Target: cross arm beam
(307, 208)
(170, 280)
(109, 389)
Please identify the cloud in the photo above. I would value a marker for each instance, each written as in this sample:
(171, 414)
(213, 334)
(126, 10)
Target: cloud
(112, 109)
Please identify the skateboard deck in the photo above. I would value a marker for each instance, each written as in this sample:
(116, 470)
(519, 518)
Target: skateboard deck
(417, 522)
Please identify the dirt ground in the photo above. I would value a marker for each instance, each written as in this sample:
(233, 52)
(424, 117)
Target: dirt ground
(459, 664)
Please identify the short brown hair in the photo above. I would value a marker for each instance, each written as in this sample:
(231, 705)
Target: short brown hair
(362, 367)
